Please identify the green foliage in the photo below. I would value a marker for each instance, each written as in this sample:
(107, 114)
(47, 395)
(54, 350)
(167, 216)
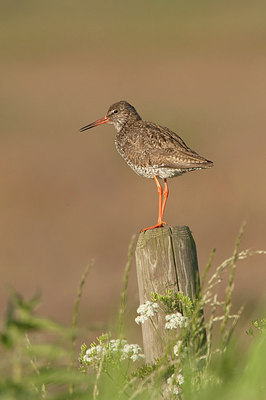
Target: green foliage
(29, 366)
(259, 325)
(20, 319)
(38, 358)
(174, 302)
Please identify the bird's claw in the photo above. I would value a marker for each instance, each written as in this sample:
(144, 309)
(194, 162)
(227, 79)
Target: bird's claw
(158, 225)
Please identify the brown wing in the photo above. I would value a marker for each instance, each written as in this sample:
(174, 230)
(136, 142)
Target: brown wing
(167, 149)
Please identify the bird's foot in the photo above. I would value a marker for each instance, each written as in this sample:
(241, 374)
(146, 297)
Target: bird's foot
(158, 225)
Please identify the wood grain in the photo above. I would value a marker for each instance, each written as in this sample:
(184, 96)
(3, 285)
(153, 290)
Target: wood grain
(166, 258)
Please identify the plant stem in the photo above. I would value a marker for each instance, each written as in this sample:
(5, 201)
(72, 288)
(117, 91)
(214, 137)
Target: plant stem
(156, 330)
(75, 317)
(124, 290)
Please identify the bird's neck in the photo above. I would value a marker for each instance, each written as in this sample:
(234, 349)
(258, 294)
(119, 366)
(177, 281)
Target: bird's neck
(131, 121)
(125, 121)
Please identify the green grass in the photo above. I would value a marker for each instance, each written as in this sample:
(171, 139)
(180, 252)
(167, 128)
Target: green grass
(202, 359)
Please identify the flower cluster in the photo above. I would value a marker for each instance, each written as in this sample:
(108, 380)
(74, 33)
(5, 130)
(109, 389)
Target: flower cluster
(176, 320)
(132, 351)
(177, 347)
(146, 311)
(119, 349)
(174, 384)
(94, 354)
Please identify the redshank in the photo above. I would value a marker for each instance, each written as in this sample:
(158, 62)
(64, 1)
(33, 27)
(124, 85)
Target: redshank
(151, 150)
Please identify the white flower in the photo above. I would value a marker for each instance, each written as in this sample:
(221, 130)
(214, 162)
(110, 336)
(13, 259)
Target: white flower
(114, 348)
(176, 389)
(180, 379)
(116, 344)
(177, 348)
(95, 353)
(140, 319)
(132, 351)
(174, 384)
(176, 320)
(146, 311)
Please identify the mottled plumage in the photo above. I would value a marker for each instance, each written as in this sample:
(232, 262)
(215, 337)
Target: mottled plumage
(149, 149)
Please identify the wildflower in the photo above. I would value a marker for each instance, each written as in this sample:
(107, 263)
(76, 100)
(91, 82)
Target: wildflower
(94, 354)
(180, 379)
(174, 384)
(177, 348)
(116, 349)
(176, 320)
(146, 311)
(140, 319)
(132, 351)
(176, 389)
(116, 344)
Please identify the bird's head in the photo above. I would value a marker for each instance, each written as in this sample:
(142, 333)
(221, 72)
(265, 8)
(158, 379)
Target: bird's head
(119, 114)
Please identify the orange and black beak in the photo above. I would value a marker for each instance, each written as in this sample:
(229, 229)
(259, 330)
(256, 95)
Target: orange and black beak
(100, 121)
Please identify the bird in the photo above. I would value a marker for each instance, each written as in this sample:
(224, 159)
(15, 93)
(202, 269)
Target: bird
(151, 150)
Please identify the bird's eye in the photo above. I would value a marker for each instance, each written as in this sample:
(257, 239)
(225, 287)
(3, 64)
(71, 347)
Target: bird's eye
(115, 111)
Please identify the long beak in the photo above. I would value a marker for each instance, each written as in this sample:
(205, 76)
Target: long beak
(100, 121)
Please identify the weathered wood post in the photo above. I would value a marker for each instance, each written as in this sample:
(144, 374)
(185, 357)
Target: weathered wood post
(166, 258)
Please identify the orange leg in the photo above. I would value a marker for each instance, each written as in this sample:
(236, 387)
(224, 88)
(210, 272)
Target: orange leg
(160, 221)
(165, 196)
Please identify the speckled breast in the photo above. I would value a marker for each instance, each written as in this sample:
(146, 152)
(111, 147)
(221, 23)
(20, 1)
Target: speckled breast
(148, 171)
(160, 172)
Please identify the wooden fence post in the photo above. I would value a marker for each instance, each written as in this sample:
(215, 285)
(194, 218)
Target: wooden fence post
(166, 258)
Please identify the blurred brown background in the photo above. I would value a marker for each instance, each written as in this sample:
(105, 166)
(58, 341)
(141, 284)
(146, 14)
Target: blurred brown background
(196, 67)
